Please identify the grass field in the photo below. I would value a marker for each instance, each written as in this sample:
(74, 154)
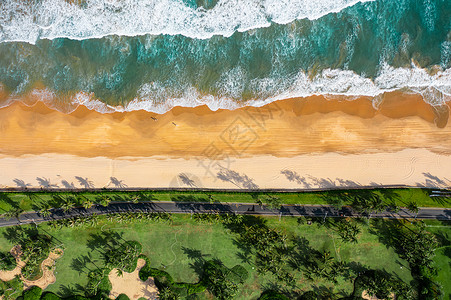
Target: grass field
(442, 257)
(32, 201)
(168, 246)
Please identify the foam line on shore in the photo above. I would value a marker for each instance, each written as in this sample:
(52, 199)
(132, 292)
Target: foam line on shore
(435, 90)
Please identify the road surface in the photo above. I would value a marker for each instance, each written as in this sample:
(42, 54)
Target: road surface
(237, 208)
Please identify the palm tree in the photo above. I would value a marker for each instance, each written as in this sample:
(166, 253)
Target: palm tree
(72, 222)
(45, 210)
(167, 294)
(413, 207)
(93, 220)
(54, 224)
(68, 204)
(121, 218)
(105, 201)
(111, 217)
(87, 203)
(13, 213)
(135, 198)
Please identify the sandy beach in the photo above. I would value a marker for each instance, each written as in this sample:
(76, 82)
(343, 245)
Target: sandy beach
(322, 142)
(414, 167)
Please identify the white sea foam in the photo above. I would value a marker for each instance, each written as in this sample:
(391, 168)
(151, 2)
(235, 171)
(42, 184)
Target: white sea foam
(49, 19)
(156, 97)
(435, 89)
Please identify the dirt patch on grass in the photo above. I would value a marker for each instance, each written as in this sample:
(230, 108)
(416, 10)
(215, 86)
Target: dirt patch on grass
(366, 296)
(131, 285)
(47, 267)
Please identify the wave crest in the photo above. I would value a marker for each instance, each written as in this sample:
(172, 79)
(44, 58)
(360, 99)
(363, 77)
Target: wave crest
(155, 97)
(50, 19)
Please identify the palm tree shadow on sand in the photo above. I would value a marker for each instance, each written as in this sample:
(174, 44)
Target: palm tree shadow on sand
(20, 183)
(117, 183)
(85, 182)
(241, 181)
(45, 183)
(314, 182)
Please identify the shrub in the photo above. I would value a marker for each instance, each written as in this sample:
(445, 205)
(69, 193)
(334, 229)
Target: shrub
(12, 287)
(78, 297)
(122, 297)
(165, 283)
(310, 295)
(33, 293)
(273, 295)
(238, 274)
(7, 261)
(50, 296)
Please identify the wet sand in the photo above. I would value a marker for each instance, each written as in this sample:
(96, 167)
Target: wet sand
(314, 137)
(284, 129)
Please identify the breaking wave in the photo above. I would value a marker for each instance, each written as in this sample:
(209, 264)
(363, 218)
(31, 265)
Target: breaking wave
(435, 90)
(29, 21)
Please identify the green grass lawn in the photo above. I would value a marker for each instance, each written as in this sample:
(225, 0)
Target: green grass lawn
(167, 246)
(442, 257)
(443, 260)
(31, 201)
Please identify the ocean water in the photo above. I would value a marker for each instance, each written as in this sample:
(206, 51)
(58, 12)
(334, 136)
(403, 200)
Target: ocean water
(156, 54)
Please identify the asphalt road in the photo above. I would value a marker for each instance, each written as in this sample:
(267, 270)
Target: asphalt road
(237, 208)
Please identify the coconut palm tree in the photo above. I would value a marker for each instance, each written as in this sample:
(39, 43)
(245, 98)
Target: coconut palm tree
(135, 198)
(93, 220)
(44, 210)
(413, 207)
(111, 217)
(167, 294)
(54, 224)
(105, 201)
(13, 213)
(87, 203)
(68, 204)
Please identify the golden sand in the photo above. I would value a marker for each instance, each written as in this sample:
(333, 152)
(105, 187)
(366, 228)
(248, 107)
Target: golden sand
(323, 142)
(131, 285)
(283, 128)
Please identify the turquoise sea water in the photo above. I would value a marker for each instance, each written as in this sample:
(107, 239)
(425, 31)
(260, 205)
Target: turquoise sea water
(225, 53)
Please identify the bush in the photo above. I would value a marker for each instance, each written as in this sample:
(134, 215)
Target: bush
(33, 293)
(273, 295)
(78, 297)
(164, 281)
(7, 261)
(50, 296)
(122, 297)
(12, 287)
(195, 288)
(238, 274)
